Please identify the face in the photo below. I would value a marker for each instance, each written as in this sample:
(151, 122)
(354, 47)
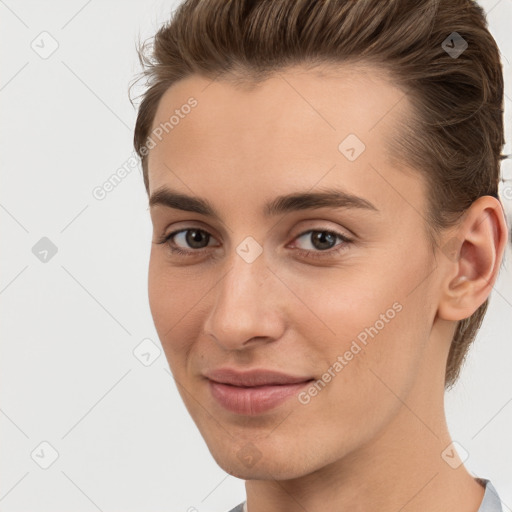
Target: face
(339, 293)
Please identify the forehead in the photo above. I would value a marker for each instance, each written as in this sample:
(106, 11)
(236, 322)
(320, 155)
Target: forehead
(293, 128)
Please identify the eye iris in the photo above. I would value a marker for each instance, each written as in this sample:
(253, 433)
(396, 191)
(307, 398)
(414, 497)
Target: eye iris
(193, 235)
(321, 236)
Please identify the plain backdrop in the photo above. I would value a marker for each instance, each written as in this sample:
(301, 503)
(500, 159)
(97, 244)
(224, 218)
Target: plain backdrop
(78, 395)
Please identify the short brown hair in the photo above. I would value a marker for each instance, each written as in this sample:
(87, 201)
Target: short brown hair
(455, 135)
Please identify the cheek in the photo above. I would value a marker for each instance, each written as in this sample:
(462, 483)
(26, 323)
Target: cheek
(177, 297)
(368, 391)
(160, 294)
(368, 333)
(169, 299)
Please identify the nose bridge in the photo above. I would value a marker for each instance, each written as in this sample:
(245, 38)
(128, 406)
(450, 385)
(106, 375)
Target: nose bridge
(245, 306)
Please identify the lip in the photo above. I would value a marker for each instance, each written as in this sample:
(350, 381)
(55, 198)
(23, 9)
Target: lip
(253, 392)
(255, 377)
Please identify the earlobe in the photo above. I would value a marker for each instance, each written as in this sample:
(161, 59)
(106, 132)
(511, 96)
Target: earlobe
(474, 260)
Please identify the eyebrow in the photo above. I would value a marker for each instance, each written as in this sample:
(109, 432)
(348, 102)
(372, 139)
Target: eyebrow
(296, 201)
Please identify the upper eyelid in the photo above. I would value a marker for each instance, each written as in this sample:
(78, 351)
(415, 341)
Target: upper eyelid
(342, 228)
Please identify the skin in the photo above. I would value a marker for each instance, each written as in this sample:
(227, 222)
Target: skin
(375, 434)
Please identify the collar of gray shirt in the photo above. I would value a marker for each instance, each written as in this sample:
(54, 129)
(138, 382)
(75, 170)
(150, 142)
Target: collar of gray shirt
(490, 503)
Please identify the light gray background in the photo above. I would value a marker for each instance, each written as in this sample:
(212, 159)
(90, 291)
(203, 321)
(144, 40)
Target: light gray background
(69, 326)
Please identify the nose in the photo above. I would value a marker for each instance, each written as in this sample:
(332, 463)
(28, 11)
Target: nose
(247, 305)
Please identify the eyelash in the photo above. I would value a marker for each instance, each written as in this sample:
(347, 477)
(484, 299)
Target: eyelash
(302, 252)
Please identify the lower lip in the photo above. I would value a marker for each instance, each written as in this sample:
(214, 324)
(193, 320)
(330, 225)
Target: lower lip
(253, 400)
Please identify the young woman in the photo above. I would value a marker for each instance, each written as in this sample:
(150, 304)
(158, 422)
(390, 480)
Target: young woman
(323, 186)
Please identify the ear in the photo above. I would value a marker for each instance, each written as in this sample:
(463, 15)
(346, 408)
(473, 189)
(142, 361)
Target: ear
(471, 259)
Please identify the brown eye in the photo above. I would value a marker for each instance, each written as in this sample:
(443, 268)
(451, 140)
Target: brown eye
(194, 241)
(195, 238)
(322, 239)
(323, 243)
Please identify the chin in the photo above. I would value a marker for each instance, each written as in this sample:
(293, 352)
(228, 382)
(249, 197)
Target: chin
(249, 463)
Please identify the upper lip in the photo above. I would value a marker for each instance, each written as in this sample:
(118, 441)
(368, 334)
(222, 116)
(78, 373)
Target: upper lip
(260, 377)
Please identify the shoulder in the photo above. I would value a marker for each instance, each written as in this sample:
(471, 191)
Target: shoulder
(240, 508)
(491, 501)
